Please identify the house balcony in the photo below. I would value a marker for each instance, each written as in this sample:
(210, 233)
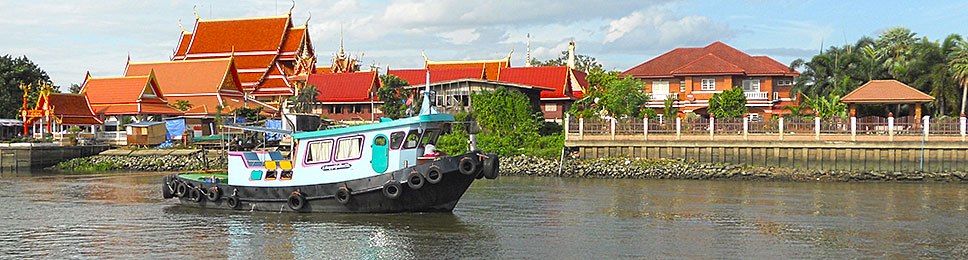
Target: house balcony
(664, 96)
(756, 95)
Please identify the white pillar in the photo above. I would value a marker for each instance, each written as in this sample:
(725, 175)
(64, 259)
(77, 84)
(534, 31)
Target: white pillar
(816, 128)
(890, 128)
(567, 116)
(746, 127)
(927, 120)
(581, 128)
(963, 126)
(678, 128)
(613, 128)
(645, 128)
(853, 128)
(712, 126)
(781, 127)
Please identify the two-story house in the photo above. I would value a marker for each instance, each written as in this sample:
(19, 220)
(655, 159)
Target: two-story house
(691, 76)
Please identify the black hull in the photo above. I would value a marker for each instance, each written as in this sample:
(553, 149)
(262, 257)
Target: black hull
(366, 195)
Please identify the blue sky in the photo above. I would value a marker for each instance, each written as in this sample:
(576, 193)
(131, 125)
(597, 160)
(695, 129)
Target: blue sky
(69, 38)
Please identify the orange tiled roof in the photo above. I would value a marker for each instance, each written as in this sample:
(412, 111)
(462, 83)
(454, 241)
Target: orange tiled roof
(886, 91)
(350, 87)
(293, 39)
(249, 34)
(68, 109)
(558, 78)
(126, 96)
(419, 76)
(492, 68)
(183, 42)
(190, 77)
(715, 59)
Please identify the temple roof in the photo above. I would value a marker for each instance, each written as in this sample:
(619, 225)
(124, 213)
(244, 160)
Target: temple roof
(68, 109)
(492, 68)
(126, 96)
(567, 83)
(419, 76)
(190, 77)
(242, 35)
(886, 92)
(714, 59)
(350, 87)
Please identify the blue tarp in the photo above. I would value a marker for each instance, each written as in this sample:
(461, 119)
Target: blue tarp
(176, 127)
(273, 124)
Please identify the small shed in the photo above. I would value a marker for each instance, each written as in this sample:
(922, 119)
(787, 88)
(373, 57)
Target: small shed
(886, 92)
(146, 133)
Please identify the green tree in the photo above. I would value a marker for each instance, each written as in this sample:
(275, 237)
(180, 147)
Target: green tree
(829, 106)
(668, 111)
(582, 62)
(624, 98)
(13, 72)
(303, 102)
(75, 88)
(729, 103)
(959, 68)
(250, 114)
(393, 95)
(597, 78)
(798, 109)
(896, 43)
(181, 105)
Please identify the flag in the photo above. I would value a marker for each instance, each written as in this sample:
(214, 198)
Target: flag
(410, 100)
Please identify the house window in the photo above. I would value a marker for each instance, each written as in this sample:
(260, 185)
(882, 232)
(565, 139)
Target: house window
(349, 148)
(550, 107)
(660, 87)
(337, 109)
(319, 151)
(754, 117)
(751, 85)
(682, 86)
(784, 82)
(708, 84)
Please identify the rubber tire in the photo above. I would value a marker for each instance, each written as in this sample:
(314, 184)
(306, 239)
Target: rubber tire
(214, 194)
(195, 195)
(415, 181)
(343, 196)
(491, 166)
(296, 201)
(434, 172)
(183, 190)
(166, 191)
(467, 166)
(392, 190)
(232, 202)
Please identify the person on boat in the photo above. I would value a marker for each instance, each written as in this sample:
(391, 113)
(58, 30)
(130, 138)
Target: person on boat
(430, 150)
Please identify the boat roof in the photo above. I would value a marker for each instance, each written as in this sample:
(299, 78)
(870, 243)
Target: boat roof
(260, 129)
(388, 124)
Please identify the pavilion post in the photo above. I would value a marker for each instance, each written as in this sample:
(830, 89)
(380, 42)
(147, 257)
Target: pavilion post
(853, 128)
(927, 120)
(781, 127)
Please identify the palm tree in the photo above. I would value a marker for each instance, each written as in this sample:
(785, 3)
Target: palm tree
(896, 42)
(958, 65)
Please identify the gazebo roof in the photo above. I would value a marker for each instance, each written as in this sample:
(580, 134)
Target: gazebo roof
(886, 92)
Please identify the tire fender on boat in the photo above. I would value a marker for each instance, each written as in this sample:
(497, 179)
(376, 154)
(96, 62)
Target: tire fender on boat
(343, 195)
(296, 201)
(232, 202)
(182, 190)
(491, 167)
(415, 180)
(392, 190)
(433, 175)
(467, 166)
(166, 188)
(213, 194)
(195, 194)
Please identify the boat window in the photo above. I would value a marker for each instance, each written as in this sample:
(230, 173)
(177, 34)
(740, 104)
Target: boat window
(380, 141)
(252, 159)
(276, 156)
(319, 151)
(396, 139)
(430, 137)
(412, 140)
(349, 148)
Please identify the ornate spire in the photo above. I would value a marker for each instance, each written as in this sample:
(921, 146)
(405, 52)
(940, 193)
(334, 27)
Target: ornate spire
(306, 24)
(527, 63)
(341, 55)
(571, 54)
(291, 7)
(194, 10)
(180, 26)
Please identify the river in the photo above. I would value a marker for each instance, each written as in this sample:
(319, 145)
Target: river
(124, 216)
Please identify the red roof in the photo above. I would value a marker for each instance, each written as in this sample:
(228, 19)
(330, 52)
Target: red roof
(419, 76)
(127, 96)
(183, 42)
(886, 91)
(293, 40)
(714, 59)
(68, 109)
(351, 87)
(492, 68)
(190, 77)
(559, 78)
(248, 34)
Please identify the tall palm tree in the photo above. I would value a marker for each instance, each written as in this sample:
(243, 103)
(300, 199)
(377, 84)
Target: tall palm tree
(958, 65)
(896, 42)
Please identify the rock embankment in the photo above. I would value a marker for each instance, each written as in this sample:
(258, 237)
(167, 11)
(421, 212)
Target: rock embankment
(627, 168)
(146, 160)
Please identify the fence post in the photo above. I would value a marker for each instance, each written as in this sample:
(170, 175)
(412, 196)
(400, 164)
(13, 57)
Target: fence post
(746, 127)
(712, 126)
(853, 128)
(613, 128)
(645, 128)
(581, 128)
(567, 116)
(678, 128)
(781, 128)
(890, 127)
(927, 120)
(963, 126)
(816, 128)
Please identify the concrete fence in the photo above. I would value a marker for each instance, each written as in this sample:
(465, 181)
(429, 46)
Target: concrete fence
(869, 128)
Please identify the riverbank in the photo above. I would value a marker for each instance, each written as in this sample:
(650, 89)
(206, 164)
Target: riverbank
(628, 168)
(145, 160)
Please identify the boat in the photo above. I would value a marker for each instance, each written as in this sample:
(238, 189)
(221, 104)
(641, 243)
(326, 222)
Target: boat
(374, 168)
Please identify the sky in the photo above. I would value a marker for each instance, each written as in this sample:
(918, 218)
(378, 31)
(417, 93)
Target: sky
(69, 38)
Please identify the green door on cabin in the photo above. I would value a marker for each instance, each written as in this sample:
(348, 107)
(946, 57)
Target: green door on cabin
(381, 150)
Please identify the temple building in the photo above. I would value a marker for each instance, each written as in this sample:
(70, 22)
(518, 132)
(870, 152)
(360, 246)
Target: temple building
(55, 113)
(270, 53)
(213, 83)
(349, 96)
(567, 85)
(691, 76)
(492, 68)
(134, 96)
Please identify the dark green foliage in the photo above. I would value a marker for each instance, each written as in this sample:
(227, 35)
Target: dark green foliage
(619, 97)
(303, 102)
(729, 103)
(550, 128)
(250, 114)
(667, 110)
(582, 62)
(181, 105)
(394, 97)
(75, 88)
(13, 72)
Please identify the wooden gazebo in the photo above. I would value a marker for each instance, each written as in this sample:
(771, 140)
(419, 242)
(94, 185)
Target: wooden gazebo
(886, 92)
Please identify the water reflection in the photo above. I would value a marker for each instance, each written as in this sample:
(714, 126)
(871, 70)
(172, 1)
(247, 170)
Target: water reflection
(122, 215)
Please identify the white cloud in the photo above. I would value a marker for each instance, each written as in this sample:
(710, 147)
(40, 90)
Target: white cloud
(462, 36)
(658, 28)
(618, 28)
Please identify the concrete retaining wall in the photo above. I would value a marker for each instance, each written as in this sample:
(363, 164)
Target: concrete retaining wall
(13, 156)
(855, 156)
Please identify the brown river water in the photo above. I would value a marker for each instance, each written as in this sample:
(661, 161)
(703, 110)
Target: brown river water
(123, 216)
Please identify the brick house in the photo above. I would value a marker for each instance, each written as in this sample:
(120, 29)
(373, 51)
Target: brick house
(691, 76)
